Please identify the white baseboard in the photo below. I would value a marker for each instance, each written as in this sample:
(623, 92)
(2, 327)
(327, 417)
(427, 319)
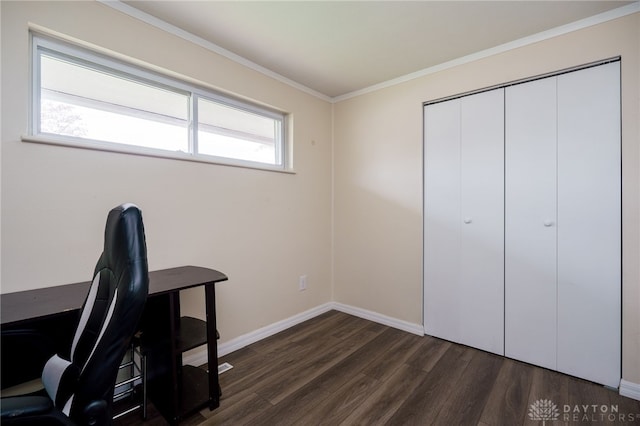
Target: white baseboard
(629, 389)
(199, 357)
(264, 332)
(379, 318)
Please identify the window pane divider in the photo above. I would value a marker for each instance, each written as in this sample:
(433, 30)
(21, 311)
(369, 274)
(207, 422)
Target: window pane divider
(193, 124)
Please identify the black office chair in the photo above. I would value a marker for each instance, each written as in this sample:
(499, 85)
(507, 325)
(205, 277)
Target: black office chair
(80, 386)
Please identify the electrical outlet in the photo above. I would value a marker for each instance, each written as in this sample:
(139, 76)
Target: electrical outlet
(302, 282)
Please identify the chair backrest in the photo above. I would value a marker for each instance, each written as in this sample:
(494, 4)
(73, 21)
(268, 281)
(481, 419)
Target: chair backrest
(111, 312)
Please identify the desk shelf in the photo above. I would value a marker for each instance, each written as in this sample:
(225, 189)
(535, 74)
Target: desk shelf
(190, 334)
(192, 388)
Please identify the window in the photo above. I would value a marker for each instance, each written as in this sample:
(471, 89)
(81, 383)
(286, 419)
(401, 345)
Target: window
(84, 99)
(237, 133)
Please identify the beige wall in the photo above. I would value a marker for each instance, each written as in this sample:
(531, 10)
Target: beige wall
(378, 173)
(263, 229)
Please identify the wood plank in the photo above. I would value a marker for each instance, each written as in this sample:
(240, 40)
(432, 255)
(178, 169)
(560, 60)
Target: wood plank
(349, 327)
(316, 326)
(245, 411)
(279, 371)
(271, 365)
(406, 345)
(289, 380)
(283, 349)
(357, 361)
(340, 404)
(382, 404)
(507, 402)
(587, 403)
(288, 411)
(422, 406)
(547, 385)
(465, 405)
(429, 352)
(628, 409)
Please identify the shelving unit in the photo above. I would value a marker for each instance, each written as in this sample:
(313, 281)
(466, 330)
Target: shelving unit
(178, 390)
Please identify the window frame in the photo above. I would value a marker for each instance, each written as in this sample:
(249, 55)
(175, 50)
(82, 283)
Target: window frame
(119, 67)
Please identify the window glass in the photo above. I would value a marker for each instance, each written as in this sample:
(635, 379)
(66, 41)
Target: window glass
(89, 103)
(225, 131)
(89, 100)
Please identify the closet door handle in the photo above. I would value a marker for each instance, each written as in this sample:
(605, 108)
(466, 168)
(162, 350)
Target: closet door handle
(547, 223)
(467, 220)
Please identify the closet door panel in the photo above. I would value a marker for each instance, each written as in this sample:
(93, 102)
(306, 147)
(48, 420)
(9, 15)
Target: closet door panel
(589, 224)
(482, 236)
(530, 222)
(442, 289)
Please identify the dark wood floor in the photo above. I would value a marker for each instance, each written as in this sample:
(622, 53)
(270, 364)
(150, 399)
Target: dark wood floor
(338, 369)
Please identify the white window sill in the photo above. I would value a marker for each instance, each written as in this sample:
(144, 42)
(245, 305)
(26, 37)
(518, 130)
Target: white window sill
(150, 152)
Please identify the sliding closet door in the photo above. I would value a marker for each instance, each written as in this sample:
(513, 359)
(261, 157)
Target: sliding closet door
(530, 225)
(589, 224)
(464, 193)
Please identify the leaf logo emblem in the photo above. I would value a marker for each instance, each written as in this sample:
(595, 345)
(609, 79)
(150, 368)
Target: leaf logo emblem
(543, 409)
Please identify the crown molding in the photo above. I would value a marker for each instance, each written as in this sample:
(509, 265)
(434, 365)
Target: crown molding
(535, 38)
(172, 29)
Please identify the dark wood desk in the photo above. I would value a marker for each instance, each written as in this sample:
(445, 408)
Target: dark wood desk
(176, 390)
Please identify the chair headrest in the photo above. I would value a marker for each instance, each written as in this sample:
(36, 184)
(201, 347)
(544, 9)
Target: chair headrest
(124, 238)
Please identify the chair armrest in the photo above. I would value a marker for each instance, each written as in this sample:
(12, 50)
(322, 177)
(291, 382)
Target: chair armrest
(96, 414)
(25, 406)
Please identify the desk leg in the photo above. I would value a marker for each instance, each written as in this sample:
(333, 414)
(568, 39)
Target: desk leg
(212, 346)
(176, 355)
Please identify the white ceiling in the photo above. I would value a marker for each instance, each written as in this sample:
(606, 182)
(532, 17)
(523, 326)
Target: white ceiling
(339, 47)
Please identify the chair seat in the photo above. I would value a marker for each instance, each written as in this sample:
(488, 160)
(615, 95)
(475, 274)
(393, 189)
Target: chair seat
(25, 406)
(31, 386)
